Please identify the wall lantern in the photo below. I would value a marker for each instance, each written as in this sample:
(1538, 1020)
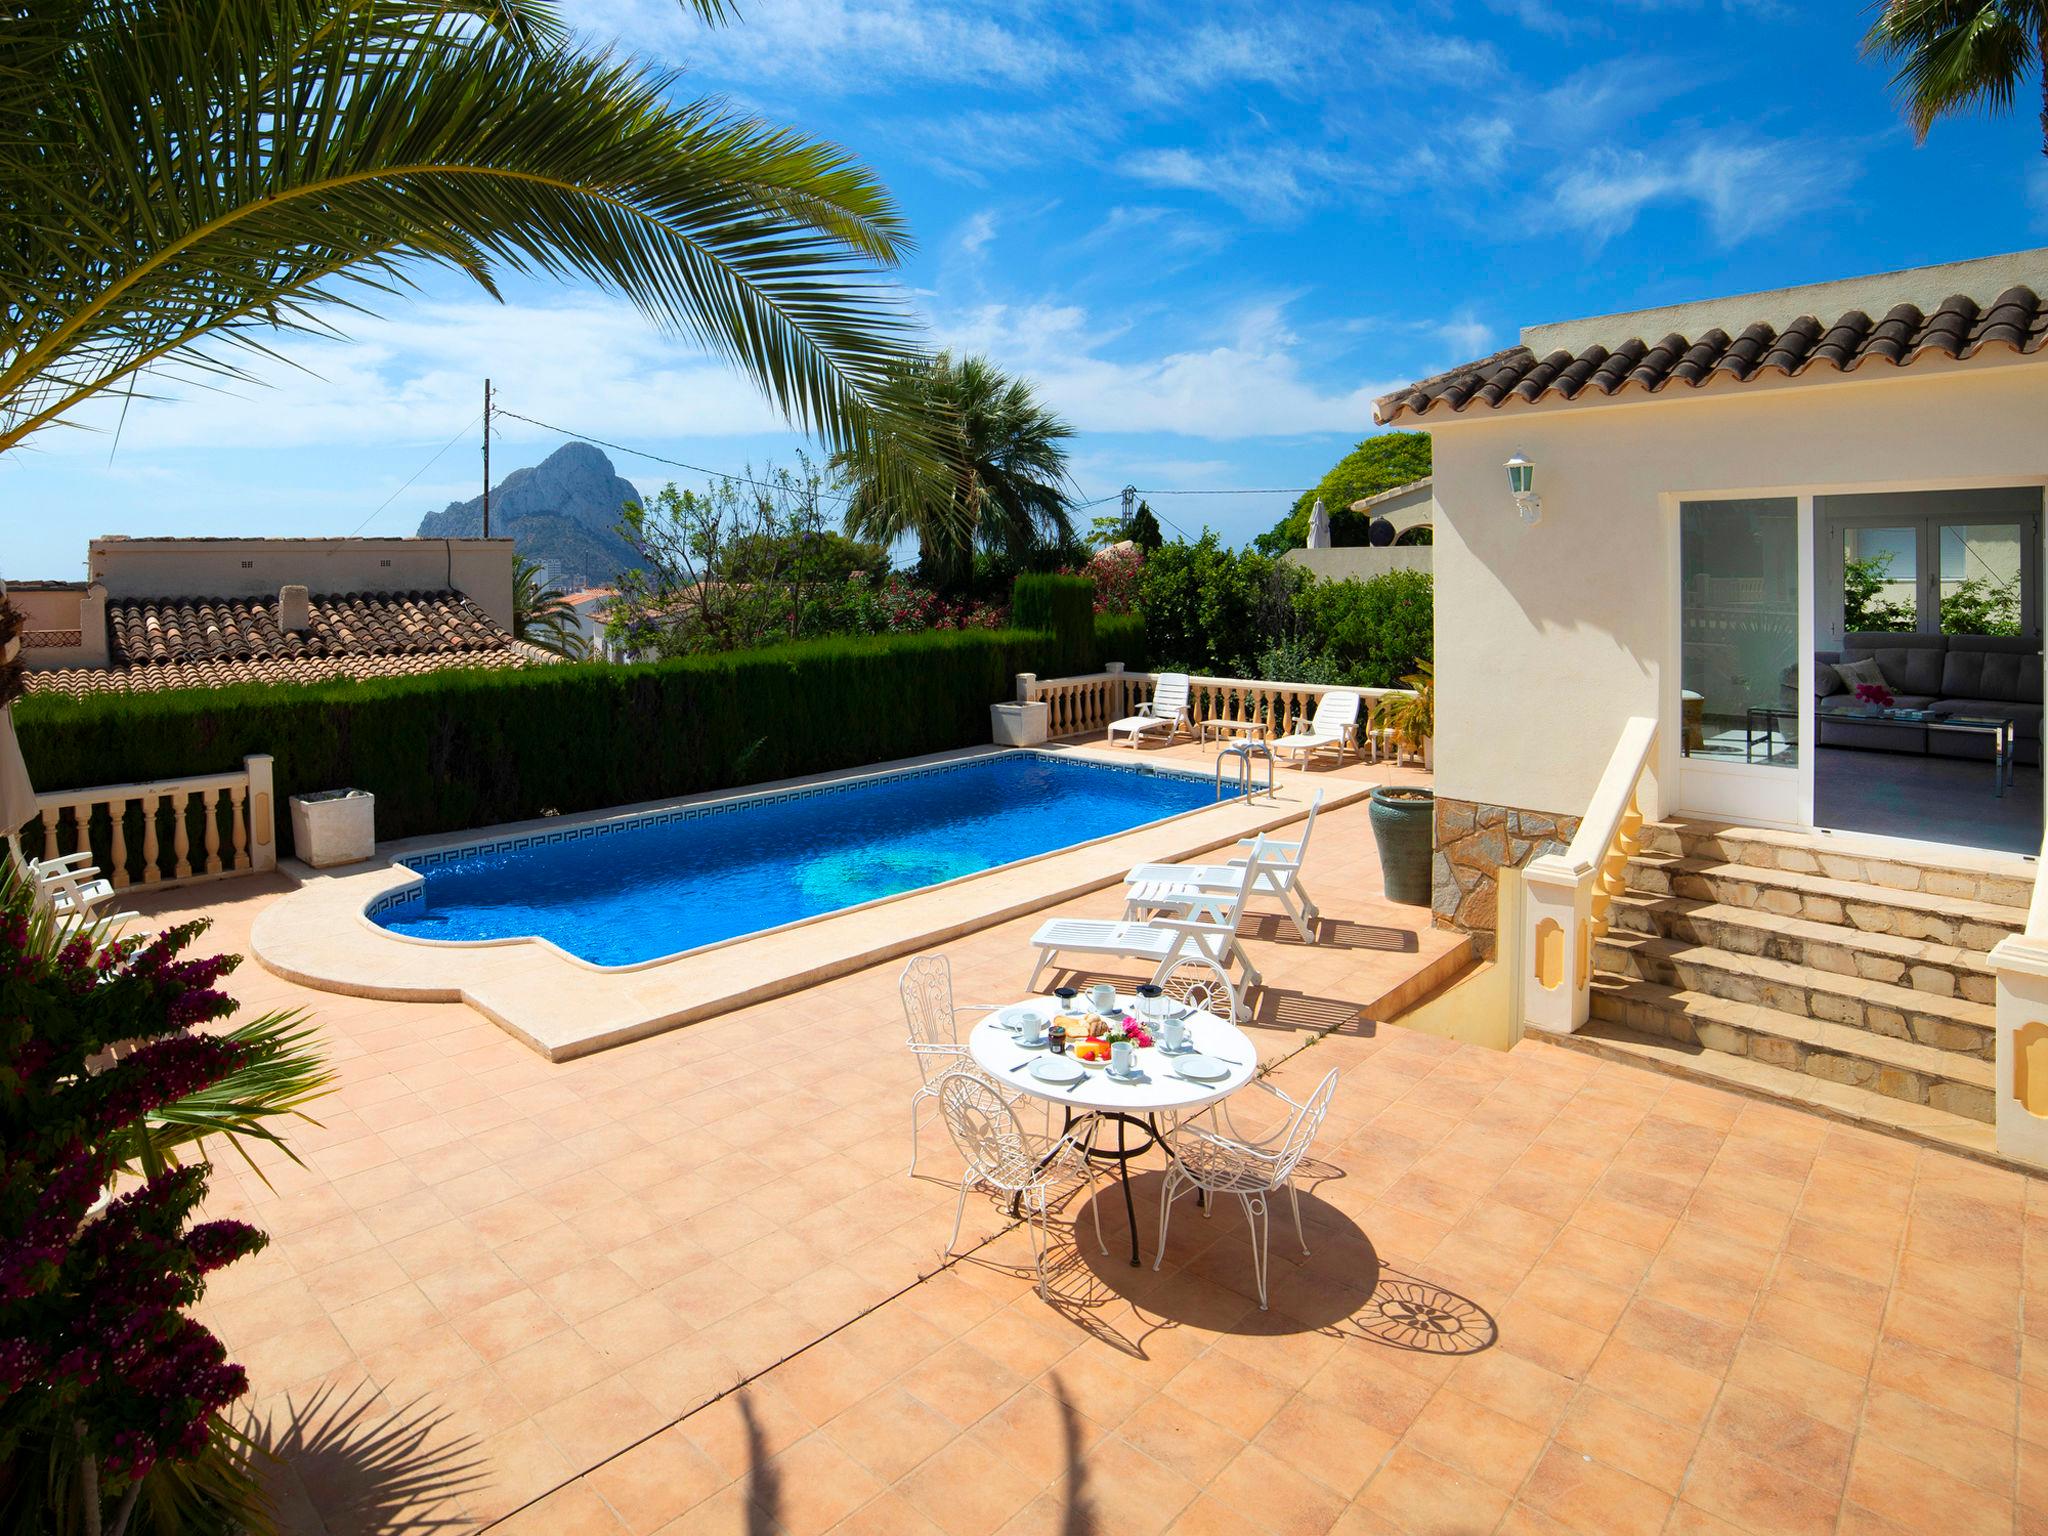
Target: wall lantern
(1522, 485)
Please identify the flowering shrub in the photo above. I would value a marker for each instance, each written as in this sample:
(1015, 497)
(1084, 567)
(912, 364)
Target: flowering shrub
(893, 604)
(1116, 572)
(101, 1368)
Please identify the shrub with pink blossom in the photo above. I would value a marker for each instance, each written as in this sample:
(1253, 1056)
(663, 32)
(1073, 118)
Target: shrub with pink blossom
(104, 1375)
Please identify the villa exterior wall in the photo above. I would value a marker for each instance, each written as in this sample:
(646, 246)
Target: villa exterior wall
(481, 569)
(1474, 843)
(1548, 638)
(1360, 562)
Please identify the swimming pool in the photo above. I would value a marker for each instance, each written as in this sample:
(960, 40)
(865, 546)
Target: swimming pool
(626, 891)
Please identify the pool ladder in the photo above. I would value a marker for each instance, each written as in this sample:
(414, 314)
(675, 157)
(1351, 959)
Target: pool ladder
(1244, 752)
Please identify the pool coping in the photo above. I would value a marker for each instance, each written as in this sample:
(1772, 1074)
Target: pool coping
(563, 1007)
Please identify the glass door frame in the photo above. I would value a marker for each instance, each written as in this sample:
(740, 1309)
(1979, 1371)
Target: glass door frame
(1776, 808)
(1927, 528)
(1755, 793)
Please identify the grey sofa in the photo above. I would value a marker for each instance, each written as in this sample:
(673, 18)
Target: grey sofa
(1986, 676)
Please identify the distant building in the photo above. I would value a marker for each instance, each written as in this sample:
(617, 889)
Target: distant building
(156, 614)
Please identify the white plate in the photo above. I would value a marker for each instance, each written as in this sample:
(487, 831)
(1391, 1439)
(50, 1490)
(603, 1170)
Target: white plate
(1014, 1019)
(1057, 1069)
(1201, 1069)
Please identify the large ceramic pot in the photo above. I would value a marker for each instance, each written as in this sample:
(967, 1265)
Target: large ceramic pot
(1404, 826)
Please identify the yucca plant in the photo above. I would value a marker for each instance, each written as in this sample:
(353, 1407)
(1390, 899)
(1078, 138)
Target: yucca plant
(182, 179)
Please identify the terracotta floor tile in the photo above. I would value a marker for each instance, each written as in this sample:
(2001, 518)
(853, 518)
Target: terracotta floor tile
(811, 1486)
(592, 1424)
(1592, 1497)
(1942, 1439)
(1466, 1434)
(1240, 1397)
(1746, 1483)
(962, 1382)
(648, 1485)
(1922, 1498)
(1427, 1498)
(1272, 1496)
(1332, 1446)
(1182, 1439)
(968, 1488)
(1628, 1438)
(891, 1431)
(1801, 1446)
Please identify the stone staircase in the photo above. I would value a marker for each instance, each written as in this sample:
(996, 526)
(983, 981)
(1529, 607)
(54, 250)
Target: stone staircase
(1821, 970)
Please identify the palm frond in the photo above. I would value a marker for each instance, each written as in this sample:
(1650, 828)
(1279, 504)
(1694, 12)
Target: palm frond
(183, 180)
(1957, 55)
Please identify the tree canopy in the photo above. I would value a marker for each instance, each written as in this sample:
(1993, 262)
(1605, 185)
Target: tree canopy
(1379, 463)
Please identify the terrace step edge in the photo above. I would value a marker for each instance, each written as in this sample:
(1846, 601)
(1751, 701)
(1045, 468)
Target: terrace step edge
(1839, 1102)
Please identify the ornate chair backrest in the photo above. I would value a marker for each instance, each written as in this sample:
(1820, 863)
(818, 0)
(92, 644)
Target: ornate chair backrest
(927, 988)
(985, 1129)
(1201, 984)
(1334, 712)
(1308, 1120)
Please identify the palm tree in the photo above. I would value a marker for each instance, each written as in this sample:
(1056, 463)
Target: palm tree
(541, 614)
(1003, 481)
(182, 180)
(1958, 55)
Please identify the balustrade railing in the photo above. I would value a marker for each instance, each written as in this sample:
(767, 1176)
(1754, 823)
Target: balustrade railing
(1078, 705)
(170, 832)
(1567, 896)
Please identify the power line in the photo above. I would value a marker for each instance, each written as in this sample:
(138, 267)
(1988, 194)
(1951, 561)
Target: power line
(641, 453)
(458, 437)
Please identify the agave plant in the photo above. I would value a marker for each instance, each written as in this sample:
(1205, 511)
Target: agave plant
(183, 181)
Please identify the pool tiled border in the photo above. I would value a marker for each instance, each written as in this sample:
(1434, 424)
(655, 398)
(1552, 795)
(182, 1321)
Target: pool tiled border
(563, 1007)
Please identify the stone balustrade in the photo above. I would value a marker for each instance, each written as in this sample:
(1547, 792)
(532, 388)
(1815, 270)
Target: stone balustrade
(1568, 895)
(1079, 705)
(171, 832)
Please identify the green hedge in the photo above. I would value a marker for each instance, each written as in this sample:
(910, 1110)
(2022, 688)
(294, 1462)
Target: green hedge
(1121, 637)
(1063, 606)
(454, 750)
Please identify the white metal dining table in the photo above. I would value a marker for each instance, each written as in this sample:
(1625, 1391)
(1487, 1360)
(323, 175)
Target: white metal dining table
(1154, 1088)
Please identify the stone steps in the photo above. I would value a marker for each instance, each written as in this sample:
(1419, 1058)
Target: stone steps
(1748, 1075)
(1961, 922)
(1845, 1054)
(2001, 879)
(1946, 970)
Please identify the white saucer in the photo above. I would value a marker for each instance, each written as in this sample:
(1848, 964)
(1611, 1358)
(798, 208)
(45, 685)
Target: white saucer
(1014, 1019)
(1057, 1069)
(1201, 1069)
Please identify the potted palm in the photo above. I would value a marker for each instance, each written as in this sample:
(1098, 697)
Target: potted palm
(1403, 816)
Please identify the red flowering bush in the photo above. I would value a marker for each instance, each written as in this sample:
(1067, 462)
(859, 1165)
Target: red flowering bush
(101, 1368)
(1116, 572)
(894, 604)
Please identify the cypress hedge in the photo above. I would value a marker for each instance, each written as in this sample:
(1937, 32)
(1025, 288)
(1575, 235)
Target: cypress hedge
(452, 750)
(1063, 606)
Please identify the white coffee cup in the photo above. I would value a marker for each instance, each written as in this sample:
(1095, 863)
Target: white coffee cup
(1103, 995)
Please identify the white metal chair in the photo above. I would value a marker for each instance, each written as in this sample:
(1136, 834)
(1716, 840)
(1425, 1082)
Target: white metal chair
(1217, 1159)
(1166, 710)
(1334, 725)
(926, 986)
(1202, 984)
(1206, 930)
(1174, 887)
(1008, 1159)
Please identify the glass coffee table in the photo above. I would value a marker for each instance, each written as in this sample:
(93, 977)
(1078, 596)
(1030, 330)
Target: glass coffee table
(1762, 728)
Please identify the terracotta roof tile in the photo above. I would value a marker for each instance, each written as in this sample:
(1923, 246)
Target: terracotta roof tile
(198, 642)
(1959, 328)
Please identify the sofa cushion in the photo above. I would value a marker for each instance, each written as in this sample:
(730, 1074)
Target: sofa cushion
(1857, 674)
(1913, 669)
(1826, 681)
(2002, 675)
(2026, 718)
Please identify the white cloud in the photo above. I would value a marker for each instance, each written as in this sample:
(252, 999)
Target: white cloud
(1247, 383)
(584, 362)
(1465, 335)
(977, 231)
(1742, 187)
(1276, 181)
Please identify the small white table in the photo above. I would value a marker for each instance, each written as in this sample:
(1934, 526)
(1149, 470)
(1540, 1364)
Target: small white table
(1133, 1104)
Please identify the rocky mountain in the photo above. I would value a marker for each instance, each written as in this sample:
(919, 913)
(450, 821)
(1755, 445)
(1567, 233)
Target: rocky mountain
(563, 512)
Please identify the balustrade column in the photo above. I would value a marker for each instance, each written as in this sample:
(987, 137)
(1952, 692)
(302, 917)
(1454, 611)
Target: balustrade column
(152, 850)
(237, 829)
(117, 842)
(209, 800)
(181, 834)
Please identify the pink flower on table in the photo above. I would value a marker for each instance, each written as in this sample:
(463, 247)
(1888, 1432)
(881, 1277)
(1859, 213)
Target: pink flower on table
(1876, 693)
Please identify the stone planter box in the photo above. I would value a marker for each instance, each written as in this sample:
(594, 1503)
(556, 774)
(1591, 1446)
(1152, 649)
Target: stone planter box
(334, 826)
(1018, 725)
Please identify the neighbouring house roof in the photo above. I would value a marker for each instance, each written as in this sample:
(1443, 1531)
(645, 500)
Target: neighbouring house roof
(1850, 325)
(198, 642)
(1367, 503)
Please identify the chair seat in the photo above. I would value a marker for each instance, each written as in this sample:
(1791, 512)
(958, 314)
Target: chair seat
(1223, 1169)
(1139, 940)
(1142, 723)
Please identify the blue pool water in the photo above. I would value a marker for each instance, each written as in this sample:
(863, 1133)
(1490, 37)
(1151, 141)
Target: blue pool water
(675, 880)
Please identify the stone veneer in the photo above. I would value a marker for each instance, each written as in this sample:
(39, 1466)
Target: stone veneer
(1473, 842)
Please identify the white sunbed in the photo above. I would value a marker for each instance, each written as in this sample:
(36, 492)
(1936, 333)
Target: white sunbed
(1166, 710)
(1207, 930)
(1154, 888)
(1335, 725)
(66, 883)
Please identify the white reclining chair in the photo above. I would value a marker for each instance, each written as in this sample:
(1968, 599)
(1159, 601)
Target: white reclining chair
(1335, 726)
(67, 883)
(1165, 712)
(1207, 930)
(1177, 887)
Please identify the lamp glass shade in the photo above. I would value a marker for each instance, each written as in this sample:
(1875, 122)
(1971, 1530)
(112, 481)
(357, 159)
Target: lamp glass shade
(1521, 475)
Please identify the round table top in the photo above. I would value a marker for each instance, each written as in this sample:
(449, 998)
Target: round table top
(1155, 1085)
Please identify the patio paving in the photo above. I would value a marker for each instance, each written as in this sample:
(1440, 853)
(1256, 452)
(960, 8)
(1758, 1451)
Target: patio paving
(685, 1285)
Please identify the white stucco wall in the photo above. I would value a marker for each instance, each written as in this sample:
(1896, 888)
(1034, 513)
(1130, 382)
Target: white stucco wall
(1360, 562)
(480, 569)
(1549, 638)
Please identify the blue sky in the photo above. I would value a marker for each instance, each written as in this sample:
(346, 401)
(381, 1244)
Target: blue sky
(1211, 234)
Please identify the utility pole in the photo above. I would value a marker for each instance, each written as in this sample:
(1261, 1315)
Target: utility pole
(1130, 510)
(487, 458)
